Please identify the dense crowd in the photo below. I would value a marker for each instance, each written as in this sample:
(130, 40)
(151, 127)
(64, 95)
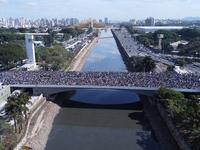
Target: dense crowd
(138, 79)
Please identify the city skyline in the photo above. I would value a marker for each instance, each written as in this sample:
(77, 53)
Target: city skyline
(99, 9)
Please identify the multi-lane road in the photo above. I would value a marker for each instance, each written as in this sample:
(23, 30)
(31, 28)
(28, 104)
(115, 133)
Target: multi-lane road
(134, 48)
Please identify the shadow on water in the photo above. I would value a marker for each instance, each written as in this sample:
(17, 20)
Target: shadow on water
(70, 100)
(145, 143)
(142, 120)
(73, 104)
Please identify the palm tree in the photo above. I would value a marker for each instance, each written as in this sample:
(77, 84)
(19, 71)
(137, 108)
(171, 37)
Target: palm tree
(12, 108)
(24, 100)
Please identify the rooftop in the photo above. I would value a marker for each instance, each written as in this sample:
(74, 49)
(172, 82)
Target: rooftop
(160, 27)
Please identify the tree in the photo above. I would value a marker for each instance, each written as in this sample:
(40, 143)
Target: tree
(180, 62)
(16, 107)
(42, 53)
(25, 100)
(91, 38)
(180, 46)
(165, 93)
(131, 30)
(10, 53)
(146, 64)
(8, 136)
(89, 30)
(48, 39)
(193, 110)
(55, 59)
(170, 68)
(149, 64)
(65, 37)
(138, 63)
(13, 108)
(22, 30)
(72, 32)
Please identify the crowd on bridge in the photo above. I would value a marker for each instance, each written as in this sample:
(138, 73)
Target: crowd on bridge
(138, 79)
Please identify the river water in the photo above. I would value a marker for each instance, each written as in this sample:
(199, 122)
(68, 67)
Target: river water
(105, 56)
(101, 119)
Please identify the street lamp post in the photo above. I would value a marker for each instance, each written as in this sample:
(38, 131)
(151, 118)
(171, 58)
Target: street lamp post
(20, 58)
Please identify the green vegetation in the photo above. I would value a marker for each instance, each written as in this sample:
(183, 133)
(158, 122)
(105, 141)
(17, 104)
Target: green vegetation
(96, 33)
(8, 137)
(91, 37)
(193, 36)
(14, 30)
(16, 107)
(7, 37)
(180, 62)
(90, 29)
(49, 39)
(10, 54)
(151, 39)
(55, 58)
(185, 112)
(146, 64)
(131, 30)
(189, 34)
(170, 68)
(71, 32)
(191, 49)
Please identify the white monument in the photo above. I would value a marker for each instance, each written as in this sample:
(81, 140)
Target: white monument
(30, 50)
(160, 37)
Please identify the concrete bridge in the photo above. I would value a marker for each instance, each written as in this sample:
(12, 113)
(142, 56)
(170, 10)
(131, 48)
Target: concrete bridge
(51, 82)
(53, 89)
(105, 37)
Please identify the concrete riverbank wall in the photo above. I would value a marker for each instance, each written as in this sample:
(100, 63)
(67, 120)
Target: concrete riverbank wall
(123, 53)
(183, 145)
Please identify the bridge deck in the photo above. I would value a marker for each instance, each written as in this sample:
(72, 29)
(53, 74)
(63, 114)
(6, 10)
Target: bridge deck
(105, 37)
(52, 89)
(114, 79)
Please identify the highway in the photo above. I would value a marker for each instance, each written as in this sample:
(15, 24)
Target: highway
(134, 48)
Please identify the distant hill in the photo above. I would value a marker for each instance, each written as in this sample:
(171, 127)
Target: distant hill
(191, 18)
(86, 24)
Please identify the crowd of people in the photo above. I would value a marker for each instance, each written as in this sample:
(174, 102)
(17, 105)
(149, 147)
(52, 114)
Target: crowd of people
(138, 79)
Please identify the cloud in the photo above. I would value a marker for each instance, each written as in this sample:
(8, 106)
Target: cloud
(31, 3)
(123, 10)
(3, 1)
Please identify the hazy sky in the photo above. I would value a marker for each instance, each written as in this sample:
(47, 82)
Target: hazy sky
(121, 10)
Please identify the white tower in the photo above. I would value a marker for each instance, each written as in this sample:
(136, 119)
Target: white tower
(92, 23)
(160, 36)
(30, 50)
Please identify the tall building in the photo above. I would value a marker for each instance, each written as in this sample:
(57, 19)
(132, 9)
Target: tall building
(100, 20)
(106, 20)
(150, 21)
(133, 21)
(21, 20)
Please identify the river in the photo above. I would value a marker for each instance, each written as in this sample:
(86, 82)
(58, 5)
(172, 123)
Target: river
(101, 119)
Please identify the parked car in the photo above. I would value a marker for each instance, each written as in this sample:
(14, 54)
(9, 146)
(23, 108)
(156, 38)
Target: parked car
(2, 113)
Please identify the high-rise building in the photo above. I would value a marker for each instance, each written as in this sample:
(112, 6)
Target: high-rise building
(100, 20)
(133, 21)
(4, 21)
(21, 20)
(106, 20)
(150, 21)
(67, 21)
